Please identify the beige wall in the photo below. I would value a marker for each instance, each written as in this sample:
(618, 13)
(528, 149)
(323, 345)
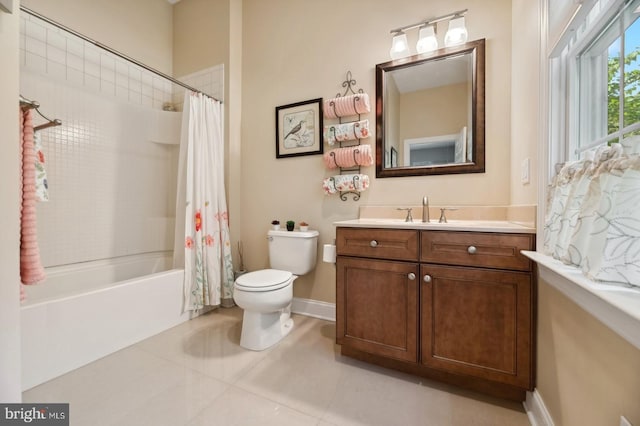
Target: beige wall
(10, 388)
(525, 99)
(587, 374)
(201, 35)
(295, 51)
(141, 29)
(421, 117)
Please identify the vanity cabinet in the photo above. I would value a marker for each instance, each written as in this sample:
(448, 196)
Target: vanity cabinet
(451, 305)
(381, 293)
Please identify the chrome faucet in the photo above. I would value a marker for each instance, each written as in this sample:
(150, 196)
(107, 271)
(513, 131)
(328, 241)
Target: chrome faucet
(443, 217)
(425, 209)
(409, 218)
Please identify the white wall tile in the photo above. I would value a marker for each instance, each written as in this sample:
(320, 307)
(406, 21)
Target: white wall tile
(37, 47)
(122, 80)
(36, 31)
(57, 40)
(92, 68)
(35, 63)
(56, 70)
(75, 76)
(103, 172)
(57, 55)
(75, 46)
(75, 62)
(91, 53)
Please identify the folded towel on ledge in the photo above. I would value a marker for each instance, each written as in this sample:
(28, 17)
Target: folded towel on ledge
(355, 182)
(352, 156)
(42, 188)
(346, 132)
(345, 106)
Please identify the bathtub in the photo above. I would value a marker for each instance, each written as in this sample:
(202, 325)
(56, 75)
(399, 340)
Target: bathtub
(86, 311)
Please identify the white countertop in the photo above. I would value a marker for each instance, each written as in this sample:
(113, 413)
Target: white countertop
(452, 225)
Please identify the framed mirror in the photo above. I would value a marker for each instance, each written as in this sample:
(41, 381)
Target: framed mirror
(430, 113)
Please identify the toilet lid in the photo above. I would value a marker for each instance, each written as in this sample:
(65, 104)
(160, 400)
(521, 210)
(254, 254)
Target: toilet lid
(264, 280)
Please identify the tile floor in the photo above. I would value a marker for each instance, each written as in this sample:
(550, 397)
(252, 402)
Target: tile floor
(197, 374)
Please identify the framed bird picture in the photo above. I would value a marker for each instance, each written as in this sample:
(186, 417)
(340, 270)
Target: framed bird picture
(299, 129)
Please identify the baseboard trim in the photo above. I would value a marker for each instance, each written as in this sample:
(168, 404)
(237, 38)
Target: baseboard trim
(314, 308)
(536, 410)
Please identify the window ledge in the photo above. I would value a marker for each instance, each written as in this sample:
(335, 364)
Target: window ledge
(617, 307)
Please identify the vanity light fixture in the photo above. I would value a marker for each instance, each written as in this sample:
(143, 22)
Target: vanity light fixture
(457, 33)
(399, 46)
(427, 40)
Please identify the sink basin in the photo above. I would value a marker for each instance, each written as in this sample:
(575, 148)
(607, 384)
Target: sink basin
(457, 225)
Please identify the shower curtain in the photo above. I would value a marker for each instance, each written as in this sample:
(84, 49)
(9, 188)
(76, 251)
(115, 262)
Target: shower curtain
(202, 243)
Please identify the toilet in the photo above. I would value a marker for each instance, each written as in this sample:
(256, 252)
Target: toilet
(266, 295)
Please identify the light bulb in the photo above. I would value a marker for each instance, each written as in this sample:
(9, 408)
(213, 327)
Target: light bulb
(427, 40)
(457, 33)
(399, 46)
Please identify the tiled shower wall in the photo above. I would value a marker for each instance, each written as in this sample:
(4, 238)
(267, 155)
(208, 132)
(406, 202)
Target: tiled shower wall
(112, 164)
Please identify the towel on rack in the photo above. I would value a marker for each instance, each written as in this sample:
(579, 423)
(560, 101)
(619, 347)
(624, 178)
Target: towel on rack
(338, 183)
(42, 187)
(352, 156)
(31, 270)
(344, 106)
(346, 132)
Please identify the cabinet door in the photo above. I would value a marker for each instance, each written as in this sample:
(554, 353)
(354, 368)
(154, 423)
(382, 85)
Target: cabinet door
(377, 307)
(477, 322)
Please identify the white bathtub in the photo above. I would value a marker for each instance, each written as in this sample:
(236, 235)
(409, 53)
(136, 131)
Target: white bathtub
(84, 312)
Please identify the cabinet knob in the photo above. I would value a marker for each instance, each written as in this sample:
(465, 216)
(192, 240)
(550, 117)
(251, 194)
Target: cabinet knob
(427, 278)
(472, 250)
(411, 276)
(373, 243)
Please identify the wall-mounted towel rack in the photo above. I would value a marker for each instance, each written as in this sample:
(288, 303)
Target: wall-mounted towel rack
(27, 104)
(350, 112)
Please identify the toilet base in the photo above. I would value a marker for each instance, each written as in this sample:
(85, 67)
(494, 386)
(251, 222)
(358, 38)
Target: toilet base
(263, 330)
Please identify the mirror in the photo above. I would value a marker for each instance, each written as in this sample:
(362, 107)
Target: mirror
(430, 113)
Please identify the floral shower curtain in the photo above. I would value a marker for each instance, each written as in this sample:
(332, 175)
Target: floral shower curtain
(202, 242)
(593, 219)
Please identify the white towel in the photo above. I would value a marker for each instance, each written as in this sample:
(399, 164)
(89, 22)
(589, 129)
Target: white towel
(346, 132)
(42, 187)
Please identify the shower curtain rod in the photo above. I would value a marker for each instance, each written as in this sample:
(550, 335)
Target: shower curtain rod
(114, 52)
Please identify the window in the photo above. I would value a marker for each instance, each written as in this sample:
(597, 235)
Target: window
(595, 79)
(609, 83)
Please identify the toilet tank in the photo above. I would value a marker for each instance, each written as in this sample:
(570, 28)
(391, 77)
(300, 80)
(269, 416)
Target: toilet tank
(293, 251)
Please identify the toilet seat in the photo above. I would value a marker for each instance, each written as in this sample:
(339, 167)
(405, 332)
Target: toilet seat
(264, 280)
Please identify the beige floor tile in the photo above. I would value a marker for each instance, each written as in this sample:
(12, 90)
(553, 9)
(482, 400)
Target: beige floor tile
(170, 399)
(302, 371)
(213, 348)
(371, 395)
(97, 380)
(238, 407)
(197, 374)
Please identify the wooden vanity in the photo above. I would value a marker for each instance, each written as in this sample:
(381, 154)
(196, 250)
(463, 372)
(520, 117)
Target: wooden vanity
(455, 306)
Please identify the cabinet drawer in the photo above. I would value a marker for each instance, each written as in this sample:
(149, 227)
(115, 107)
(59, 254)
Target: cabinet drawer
(397, 244)
(477, 249)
